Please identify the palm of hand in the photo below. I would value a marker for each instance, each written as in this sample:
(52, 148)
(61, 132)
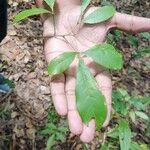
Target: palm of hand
(71, 36)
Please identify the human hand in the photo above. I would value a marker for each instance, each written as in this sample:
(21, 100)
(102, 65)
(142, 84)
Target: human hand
(68, 35)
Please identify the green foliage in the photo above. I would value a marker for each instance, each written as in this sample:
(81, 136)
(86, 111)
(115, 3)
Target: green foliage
(29, 12)
(105, 55)
(141, 115)
(104, 147)
(114, 37)
(53, 130)
(124, 135)
(134, 107)
(4, 111)
(50, 3)
(145, 35)
(133, 41)
(100, 15)
(61, 63)
(90, 101)
(141, 52)
(84, 5)
(113, 133)
(50, 142)
(127, 105)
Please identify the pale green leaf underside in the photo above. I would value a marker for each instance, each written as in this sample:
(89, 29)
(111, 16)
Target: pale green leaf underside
(84, 5)
(105, 55)
(100, 15)
(29, 12)
(141, 115)
(124, 135)
(50, 3)
(90, 101)
(61, 63)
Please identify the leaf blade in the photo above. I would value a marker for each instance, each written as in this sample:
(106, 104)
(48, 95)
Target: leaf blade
(105, 55)
(50, 3)
(29, 12)
(124, 135)
(61, 63)
(89, 97)
(100, 15)
(84, 5)
(50, 142)
(141, 115)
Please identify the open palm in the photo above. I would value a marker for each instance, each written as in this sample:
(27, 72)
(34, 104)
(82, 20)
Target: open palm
(71, 36)
(66, 34)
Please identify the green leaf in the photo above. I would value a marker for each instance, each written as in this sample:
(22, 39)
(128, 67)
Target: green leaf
(113, 133)
(84, 5)
(61, 63)
(90, 101)
(124, 135)
(45, 132)
(132, 116)
(62, 129)
(100, 15)
(141, 115)
(145, 100)
(137, 103)
(145, 35)
(60, 136)
(142, 52)
(50, 142)
(29, 12)
(50, 3)
(133, 40)
(104, 147)
(144, 147)
(105, 55)
(135, 146)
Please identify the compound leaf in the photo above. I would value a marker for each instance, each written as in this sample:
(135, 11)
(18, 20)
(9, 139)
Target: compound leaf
(29, 12)
(100, 15)
(84, 5)
(61, 63)
(105, 55)
(90, 101)
(124, 135)
(50, 3)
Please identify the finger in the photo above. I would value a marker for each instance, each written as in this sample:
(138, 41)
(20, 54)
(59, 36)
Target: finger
(88, 132)
(105, 85)
(58, 94)
(74, 120)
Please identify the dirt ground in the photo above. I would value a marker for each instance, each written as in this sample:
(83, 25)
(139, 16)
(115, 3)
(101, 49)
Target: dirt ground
(23, 59)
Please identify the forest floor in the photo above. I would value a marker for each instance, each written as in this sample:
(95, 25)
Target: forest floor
(25, 111)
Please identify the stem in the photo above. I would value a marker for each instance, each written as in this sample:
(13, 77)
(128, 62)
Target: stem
(54, 24)
(69, 44)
